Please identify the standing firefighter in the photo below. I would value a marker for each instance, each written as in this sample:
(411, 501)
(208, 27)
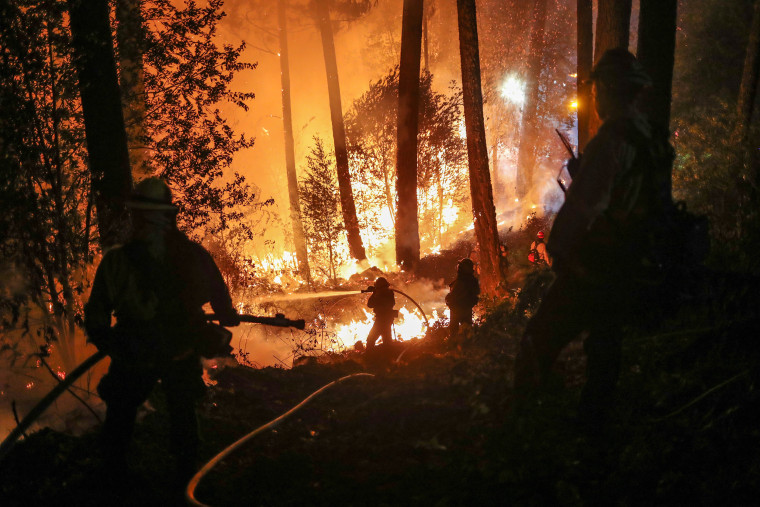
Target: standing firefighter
(155, 286)
(382, 302)
(462, 296)
(599, 240)
(537, 254)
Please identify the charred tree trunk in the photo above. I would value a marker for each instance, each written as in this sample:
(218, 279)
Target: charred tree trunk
(613, 27)
(339, 133)
(585, 61)
(748, 89)
(483, 211)
(103, 119)
(130, 38)
(290, 156)
(656, 52)
(526, 158)
(407, 226)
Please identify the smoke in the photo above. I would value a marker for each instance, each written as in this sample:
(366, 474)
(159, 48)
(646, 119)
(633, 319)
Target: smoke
(429, 295)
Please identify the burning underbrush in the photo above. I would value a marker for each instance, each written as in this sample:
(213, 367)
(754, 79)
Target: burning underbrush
(336, 315)
(337, 321)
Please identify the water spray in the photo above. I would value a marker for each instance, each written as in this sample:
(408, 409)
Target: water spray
(372, 289)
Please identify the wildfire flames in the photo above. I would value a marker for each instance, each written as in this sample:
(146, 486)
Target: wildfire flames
(408, 325)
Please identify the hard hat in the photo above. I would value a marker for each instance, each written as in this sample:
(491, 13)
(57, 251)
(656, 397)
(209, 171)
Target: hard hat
(618, 68)
(540, 234)
(152, 194)
(382, 282)
(466, 266)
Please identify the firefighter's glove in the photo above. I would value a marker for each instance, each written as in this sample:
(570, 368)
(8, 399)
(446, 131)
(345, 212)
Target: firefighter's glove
(214, 341)
(231, 319)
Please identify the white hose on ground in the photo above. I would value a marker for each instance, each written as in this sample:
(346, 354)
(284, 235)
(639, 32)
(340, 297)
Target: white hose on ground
(193, 484)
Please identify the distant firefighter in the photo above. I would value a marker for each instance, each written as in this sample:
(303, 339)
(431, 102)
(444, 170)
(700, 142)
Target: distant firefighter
(382, 302)
(537, 254)
(503, 266)
(463, 296)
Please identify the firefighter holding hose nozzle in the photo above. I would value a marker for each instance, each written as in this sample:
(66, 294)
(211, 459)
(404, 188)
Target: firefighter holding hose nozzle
(155, 285)
(382, 302)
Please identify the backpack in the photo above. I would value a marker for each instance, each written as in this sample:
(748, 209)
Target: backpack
(659, 237)
(534, 256)
(675, 239)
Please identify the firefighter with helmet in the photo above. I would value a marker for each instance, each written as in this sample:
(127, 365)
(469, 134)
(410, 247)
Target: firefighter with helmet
(462, 297)
(537, 254)
(155, 285)
(382, 302)
(597, 242)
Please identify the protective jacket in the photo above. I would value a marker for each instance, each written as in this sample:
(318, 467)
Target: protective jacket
(157, 299)
(464, 293)
(538, 251)
(382, 302)
(601, 227)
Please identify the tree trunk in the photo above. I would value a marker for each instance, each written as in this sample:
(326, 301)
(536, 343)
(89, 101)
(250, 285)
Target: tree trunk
(526, 158)
(481, 193)
(407, 227)
(585, 61)
(497, 183)
(130, 38)
(656, 51)
(613, 26)
(290, 156)
(427, 12)
(748, 89)
(103, 119)
(339, 133)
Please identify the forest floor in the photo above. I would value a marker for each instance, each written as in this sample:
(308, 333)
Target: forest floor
(441, 425)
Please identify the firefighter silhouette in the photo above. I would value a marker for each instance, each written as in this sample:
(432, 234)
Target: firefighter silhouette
(155, 285)
(462, 297)
(596, 242)
(382, 302)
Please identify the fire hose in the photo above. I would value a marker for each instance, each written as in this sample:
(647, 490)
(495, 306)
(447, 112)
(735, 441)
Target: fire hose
(427, 323)
(9, 443)
(205, 469)
(372, 289)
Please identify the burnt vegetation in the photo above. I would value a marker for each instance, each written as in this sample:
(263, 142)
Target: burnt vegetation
(438, 423)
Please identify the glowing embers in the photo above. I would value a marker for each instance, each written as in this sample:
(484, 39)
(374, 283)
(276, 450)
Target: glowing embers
(513, 90)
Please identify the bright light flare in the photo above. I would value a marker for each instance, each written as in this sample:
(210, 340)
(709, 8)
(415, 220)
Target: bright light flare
(386, 220)
(574, 104)
(513, 90)
(450, 213)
